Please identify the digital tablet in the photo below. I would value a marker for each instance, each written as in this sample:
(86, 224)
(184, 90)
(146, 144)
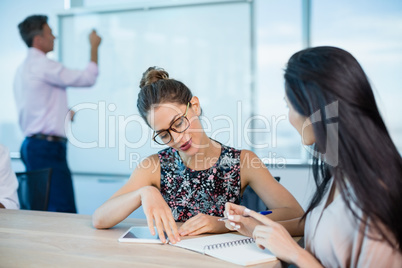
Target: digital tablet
(141, 234)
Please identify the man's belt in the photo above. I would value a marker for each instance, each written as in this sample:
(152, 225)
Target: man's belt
(50, 138)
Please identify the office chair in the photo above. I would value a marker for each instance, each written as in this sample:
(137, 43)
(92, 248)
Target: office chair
(251, 200)
(34, 188)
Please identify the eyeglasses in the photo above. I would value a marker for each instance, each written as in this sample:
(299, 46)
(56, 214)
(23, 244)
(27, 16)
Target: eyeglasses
(179, 125)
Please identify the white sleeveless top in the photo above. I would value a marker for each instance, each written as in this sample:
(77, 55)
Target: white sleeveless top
(332, 236)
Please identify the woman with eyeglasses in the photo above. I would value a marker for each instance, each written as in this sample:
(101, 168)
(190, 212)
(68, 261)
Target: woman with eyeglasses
(192, 179)
(355, 216)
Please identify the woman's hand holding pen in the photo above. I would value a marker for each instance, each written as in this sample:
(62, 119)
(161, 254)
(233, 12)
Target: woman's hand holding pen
(275, 237)
(238, 220)
(156, 209)
(267, 233)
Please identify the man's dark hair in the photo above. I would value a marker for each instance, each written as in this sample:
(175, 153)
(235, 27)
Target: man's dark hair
(31, 26)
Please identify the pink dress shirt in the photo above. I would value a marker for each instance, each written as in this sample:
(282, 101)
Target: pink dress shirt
(332, 235)
(40, 92)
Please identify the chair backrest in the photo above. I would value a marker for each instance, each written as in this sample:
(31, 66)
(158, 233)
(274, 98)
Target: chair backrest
(34, 188)
(251, 200)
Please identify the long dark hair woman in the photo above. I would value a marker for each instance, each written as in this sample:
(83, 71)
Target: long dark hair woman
(355, 216)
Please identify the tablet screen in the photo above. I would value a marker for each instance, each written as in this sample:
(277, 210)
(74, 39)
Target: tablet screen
(140, 234)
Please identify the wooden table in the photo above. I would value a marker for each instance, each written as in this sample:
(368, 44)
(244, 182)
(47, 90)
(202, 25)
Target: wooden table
(49, 239)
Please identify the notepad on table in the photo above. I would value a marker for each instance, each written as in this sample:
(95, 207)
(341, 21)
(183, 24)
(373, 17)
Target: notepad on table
(238, 249)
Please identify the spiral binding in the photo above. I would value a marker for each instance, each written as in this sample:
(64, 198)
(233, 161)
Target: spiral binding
(229, 244)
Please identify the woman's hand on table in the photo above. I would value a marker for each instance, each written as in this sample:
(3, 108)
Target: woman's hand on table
(202, 223)
(156, 210)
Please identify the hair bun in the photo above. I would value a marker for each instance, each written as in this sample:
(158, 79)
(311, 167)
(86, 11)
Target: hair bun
(153, 74)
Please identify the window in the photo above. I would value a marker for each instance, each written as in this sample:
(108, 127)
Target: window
(371, 31)
(278, 36)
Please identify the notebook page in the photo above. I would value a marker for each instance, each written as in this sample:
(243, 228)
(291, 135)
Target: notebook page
(244, 254)
(247, 254)
(198, 244)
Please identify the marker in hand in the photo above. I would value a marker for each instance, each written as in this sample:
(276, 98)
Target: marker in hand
(261, 212)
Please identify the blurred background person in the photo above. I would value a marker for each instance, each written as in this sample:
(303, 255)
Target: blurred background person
(40, 94)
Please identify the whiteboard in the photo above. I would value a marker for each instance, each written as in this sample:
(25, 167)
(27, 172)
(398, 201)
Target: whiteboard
(206, 46)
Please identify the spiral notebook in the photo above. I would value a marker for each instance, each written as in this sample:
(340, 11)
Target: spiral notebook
(238, 249)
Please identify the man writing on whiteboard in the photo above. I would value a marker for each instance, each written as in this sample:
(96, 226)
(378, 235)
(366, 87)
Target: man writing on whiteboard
(40, 93)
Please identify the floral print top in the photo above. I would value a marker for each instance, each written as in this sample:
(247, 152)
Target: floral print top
(189, 192)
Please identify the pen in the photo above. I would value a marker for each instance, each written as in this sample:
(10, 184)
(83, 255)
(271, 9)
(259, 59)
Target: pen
(261, 212)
